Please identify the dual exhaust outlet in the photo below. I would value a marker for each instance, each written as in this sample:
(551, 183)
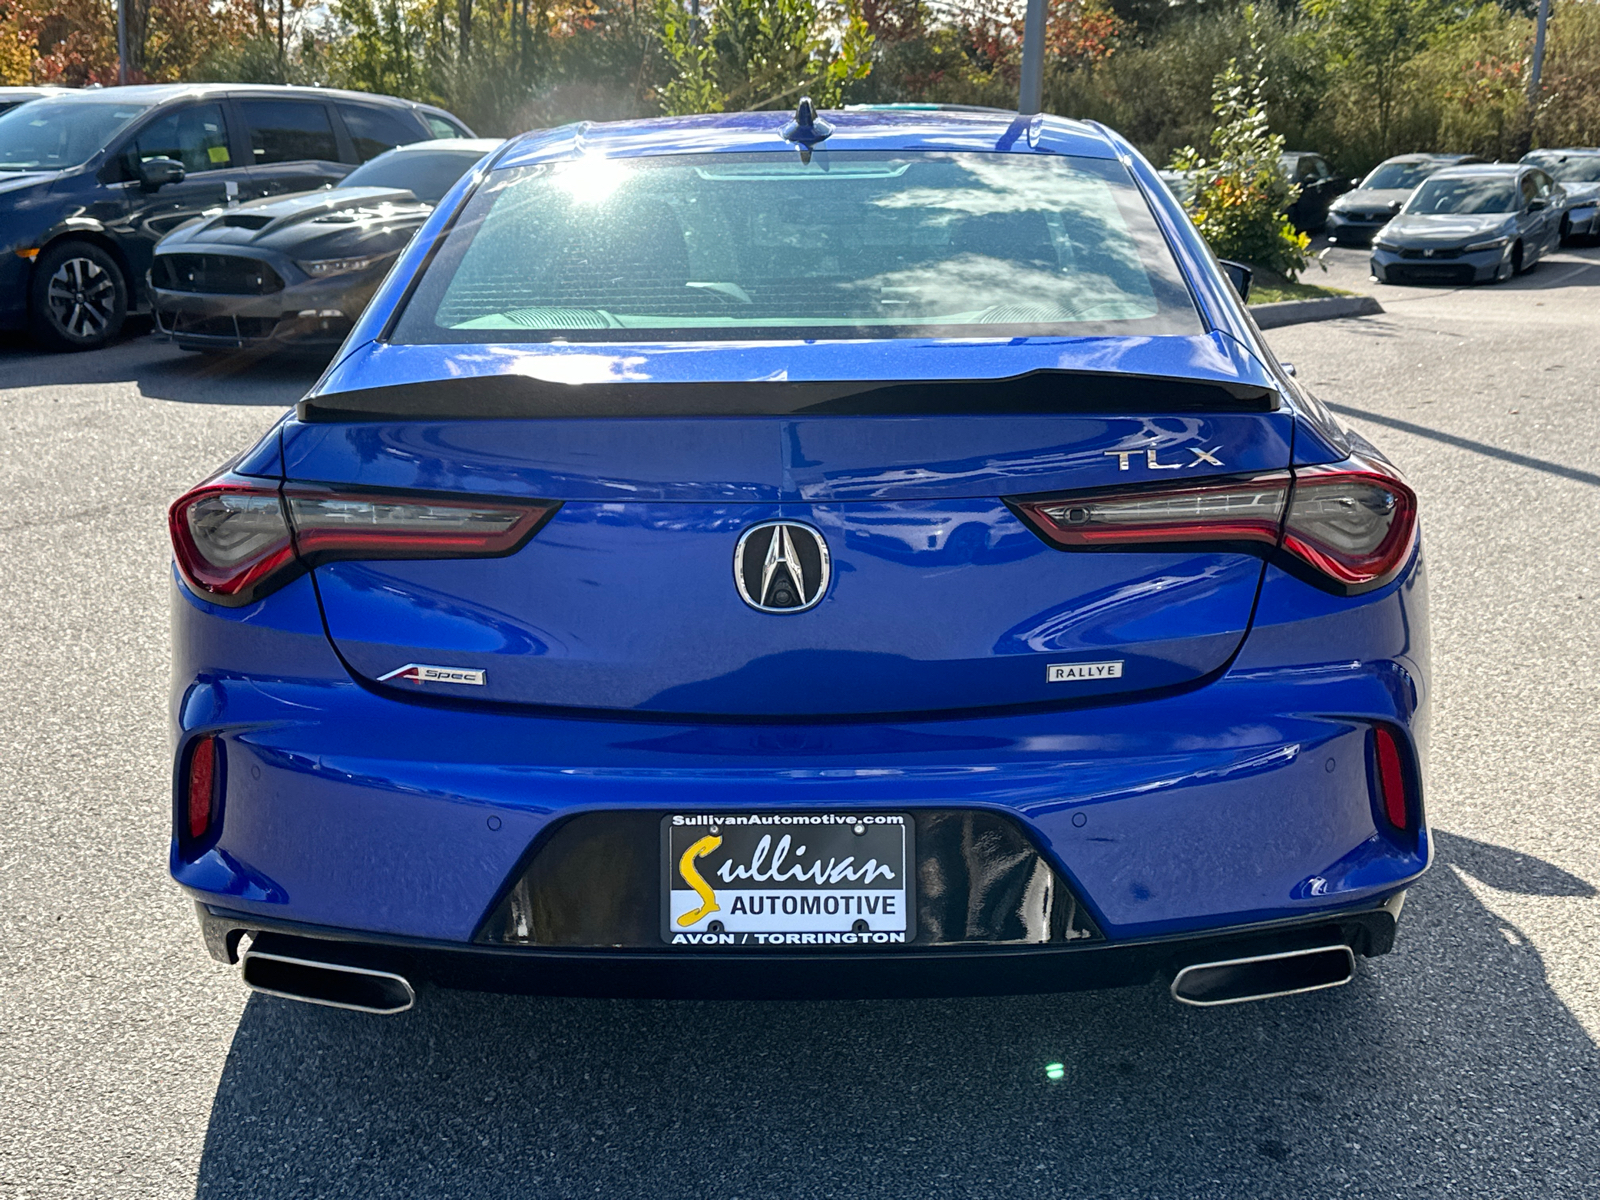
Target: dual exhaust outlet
(289, 973)
(1264, 976)
(293, 976)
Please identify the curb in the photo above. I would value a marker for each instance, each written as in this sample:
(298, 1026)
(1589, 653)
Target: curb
(1298, 312)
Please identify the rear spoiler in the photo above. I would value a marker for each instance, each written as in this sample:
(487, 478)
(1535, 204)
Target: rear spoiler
(519, 397)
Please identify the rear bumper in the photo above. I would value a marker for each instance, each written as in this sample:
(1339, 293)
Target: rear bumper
(1244, 802)
(1368, 931)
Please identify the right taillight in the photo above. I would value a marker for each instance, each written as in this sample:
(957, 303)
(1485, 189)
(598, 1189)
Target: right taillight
(1349, 527)
(1354, 523)
(235, 539)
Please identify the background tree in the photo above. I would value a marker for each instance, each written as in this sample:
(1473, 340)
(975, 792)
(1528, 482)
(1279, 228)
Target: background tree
(755, 54)
(1240, 194)
(1370, 44)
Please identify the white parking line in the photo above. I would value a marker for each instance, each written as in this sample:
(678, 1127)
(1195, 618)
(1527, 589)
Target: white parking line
(1577, 270)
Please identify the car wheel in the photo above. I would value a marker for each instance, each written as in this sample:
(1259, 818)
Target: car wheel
(79, 297)
(1510, 266)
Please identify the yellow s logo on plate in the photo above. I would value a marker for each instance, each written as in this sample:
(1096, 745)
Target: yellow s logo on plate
(708, 898)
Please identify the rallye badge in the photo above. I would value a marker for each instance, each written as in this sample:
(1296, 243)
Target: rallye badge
(1078, 672)
(787, 879)
(421, 673)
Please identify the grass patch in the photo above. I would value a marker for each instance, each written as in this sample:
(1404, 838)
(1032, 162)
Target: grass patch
(1267, 288)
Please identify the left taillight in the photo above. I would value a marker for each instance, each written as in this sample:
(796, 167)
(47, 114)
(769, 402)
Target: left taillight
(231, 541)
(236, 539)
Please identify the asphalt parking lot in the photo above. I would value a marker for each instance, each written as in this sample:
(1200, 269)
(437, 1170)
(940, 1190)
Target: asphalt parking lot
(1465, 1064)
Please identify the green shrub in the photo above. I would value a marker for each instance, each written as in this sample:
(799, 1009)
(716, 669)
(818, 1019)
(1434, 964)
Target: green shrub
(1240, 193)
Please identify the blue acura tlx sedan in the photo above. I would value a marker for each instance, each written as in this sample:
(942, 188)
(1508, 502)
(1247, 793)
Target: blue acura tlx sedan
(868, 553)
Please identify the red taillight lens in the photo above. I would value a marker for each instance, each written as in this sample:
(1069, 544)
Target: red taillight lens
(332, 525)
(237, 539)
(1233, 510)
(231, 539)
(1355, 527)
(1353, 524)
(1391, 778)
(200, 789)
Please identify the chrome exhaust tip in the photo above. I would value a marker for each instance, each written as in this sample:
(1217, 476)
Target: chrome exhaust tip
(1264, 976)
(333, 985)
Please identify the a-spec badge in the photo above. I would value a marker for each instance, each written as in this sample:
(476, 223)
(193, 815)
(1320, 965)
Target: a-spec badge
(422, 673)
(1079, 672)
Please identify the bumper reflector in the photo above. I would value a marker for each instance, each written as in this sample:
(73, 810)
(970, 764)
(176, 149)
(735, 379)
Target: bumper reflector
(200, 789)
(1391, 779)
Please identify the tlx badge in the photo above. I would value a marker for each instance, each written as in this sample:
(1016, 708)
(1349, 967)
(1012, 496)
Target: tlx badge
(1152, 458)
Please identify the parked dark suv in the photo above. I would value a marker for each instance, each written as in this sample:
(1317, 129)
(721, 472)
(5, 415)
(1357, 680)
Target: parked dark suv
(91, 181)
(1319, 187)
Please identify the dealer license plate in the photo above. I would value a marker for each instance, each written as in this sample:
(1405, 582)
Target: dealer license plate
(787, 879)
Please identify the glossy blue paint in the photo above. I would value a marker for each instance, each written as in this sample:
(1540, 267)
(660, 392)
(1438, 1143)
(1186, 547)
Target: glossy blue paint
(1203, 809)
(768, 459)
(623, 601)
(1216, 357)
(1223, 780)
(938, 605)
(729, 133)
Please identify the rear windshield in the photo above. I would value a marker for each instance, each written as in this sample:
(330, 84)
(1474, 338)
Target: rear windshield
(849, 244)
(426, 174)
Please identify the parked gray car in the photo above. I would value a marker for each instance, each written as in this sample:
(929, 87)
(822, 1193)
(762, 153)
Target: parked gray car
(1356, 216)
(1471, 225)
(300, 269)
(1578, 172)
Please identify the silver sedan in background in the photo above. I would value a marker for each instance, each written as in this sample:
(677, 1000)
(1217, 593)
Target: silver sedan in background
(1578, 172)
(1476, 224)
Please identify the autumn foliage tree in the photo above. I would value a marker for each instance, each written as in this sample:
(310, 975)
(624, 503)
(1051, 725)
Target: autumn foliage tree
(1241, 195)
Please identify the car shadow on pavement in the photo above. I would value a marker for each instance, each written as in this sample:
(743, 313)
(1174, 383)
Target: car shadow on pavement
(1449, 439)
(160, 371)
(1449, 1068)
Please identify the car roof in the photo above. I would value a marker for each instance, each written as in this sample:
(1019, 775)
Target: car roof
(1574, 151)
(160, 93)
(479, 146)
(853, 129)
(43, 89)
(1486, 170)
(1425, 156)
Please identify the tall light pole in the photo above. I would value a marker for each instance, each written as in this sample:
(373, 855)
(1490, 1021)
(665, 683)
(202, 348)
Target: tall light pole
(122, 42)
(1537, 68)
(1030, 98)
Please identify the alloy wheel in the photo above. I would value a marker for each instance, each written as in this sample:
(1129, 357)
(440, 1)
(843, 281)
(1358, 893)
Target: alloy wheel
(82, 298)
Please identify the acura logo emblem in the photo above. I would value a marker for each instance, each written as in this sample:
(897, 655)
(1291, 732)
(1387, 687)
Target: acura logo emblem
(781, 567)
